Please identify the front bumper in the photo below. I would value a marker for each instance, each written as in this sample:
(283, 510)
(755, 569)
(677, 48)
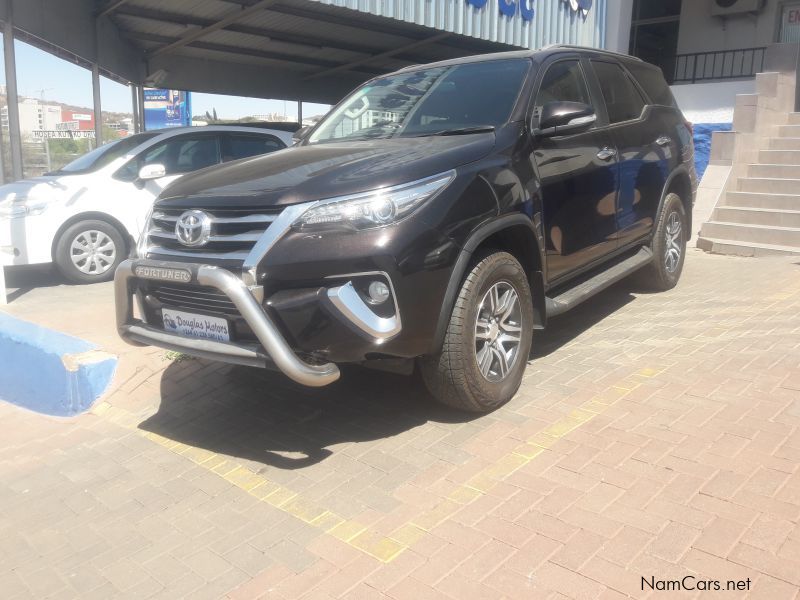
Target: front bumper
(272, 345)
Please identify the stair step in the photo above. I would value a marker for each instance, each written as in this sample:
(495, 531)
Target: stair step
(784, 143)
(757, 216)
(789, 131)
(774, 171)
(768, 201)
(759, 234)
(734, 248)
(794, 118)
(779, 157)
(769, 185)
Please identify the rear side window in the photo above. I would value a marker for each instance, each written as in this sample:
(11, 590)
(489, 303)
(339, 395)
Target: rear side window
(623, 100)
(563, 82)
(653, 83)
(235, 147)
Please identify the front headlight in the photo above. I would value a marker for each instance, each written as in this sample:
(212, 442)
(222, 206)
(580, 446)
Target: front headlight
(26, 207)
(142, 242)
(376, 207)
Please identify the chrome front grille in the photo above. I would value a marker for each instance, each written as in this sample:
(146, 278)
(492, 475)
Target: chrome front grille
(192, 298)
(233, 234)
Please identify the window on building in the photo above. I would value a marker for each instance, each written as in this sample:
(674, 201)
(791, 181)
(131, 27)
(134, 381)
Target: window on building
(654, 33)
(623, 100)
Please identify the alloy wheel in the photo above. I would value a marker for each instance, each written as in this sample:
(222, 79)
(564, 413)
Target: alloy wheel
(674, 242)
(498, 331)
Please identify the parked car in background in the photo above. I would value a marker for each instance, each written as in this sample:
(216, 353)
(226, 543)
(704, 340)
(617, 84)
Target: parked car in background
(440, 213)
(86, 216)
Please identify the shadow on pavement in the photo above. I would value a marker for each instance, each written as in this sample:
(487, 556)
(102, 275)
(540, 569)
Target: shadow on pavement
(260, 415)
(562, 329)
(22, 279)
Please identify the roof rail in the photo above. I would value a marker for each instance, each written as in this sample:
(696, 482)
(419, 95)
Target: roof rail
(590, 49)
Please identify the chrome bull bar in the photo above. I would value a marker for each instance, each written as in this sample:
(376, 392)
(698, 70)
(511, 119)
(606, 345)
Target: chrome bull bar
(137, 332)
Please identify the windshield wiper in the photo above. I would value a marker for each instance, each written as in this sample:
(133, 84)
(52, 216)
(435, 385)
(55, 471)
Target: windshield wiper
(466, 130)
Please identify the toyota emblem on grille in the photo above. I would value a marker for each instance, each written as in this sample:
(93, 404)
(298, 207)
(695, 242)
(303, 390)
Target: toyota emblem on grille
(193, 228)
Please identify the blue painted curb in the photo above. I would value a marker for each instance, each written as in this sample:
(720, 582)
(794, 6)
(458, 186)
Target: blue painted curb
(49, 372)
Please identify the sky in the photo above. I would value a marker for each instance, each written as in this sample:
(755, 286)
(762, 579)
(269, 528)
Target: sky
(42, 75)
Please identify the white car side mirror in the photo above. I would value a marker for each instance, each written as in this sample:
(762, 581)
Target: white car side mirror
(154, 171)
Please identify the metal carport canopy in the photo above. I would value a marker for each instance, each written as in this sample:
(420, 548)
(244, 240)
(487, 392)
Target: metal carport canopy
(309, 50)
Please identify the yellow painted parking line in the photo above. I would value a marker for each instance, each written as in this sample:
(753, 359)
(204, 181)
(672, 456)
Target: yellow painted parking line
(357, 535)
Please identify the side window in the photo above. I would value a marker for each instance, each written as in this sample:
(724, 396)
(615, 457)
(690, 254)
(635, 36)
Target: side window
(623, 100)
(652, 81)
(181, 154)
(563, 82)
(236, 146)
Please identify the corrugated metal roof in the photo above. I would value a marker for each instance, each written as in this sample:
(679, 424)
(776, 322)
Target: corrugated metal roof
(553, 21)
(300, 41)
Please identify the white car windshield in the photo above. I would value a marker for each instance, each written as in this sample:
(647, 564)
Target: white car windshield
(457, 99)
(100, 157)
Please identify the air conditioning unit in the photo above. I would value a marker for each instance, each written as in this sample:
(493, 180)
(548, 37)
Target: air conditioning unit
(723, 8)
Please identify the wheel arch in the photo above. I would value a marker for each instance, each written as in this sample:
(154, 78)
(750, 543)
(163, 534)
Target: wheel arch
(93, 216)
(514, 234)
(679, 182)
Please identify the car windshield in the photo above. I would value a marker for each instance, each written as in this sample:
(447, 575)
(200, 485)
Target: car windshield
(462, 98)
(104, 155)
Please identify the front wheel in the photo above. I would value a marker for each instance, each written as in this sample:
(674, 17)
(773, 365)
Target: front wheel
(668, 246)
(89, 251)
(488, 339)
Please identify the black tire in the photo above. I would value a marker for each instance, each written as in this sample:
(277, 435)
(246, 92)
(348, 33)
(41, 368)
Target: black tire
(97, 267)
(663, 273)
(453, 376)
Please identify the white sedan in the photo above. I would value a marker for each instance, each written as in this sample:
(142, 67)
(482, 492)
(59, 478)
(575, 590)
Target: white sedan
(86, 216)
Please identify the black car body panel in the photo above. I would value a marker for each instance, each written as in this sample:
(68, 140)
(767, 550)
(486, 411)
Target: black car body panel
(563, 204)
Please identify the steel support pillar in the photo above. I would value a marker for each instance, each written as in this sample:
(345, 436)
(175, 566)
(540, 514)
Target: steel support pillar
(98, 109)
(14, 135)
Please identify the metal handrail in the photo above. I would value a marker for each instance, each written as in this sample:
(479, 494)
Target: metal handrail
(718, 65)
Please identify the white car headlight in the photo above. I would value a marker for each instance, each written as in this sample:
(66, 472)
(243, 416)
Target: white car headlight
(142, 242)
(22, 207)
(376, 207)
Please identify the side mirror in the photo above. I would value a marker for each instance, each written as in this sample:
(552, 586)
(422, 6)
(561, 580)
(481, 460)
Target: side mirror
(300, 134)
(561, 118)
(154, 171)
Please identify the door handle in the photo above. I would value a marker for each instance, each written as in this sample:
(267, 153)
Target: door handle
(664, 140)
(606, 153)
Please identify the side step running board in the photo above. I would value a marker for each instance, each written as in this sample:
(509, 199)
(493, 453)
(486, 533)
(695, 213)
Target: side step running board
(585, 290)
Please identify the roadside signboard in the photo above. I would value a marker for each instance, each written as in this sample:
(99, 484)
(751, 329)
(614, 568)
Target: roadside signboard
(167, 108)
(62, 134)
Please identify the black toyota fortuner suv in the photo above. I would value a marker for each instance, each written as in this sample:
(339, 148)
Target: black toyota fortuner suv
(438, 214)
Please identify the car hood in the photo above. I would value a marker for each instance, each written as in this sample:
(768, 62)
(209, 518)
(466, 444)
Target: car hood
(308, 173)
(48, 188)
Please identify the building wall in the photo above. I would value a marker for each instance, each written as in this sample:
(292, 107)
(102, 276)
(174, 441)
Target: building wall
(553, 21)
(701, 32)
(711, 102)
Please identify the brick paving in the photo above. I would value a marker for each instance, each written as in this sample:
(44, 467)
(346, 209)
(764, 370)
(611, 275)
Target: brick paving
(655, 435)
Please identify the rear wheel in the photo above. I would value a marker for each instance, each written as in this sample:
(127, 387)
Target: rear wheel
(89, 251)
(668, 246)
(488, 339)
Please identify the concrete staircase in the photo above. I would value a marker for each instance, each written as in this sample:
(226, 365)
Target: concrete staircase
(759, 213)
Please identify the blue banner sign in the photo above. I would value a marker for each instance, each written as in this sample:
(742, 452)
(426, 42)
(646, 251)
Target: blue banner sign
(510, 8)
(167, 108)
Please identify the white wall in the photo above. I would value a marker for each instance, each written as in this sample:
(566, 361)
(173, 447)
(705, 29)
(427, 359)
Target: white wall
(700, 32)
(711, 102)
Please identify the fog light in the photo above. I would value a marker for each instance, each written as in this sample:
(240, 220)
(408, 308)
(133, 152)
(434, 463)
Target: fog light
(378, 292)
